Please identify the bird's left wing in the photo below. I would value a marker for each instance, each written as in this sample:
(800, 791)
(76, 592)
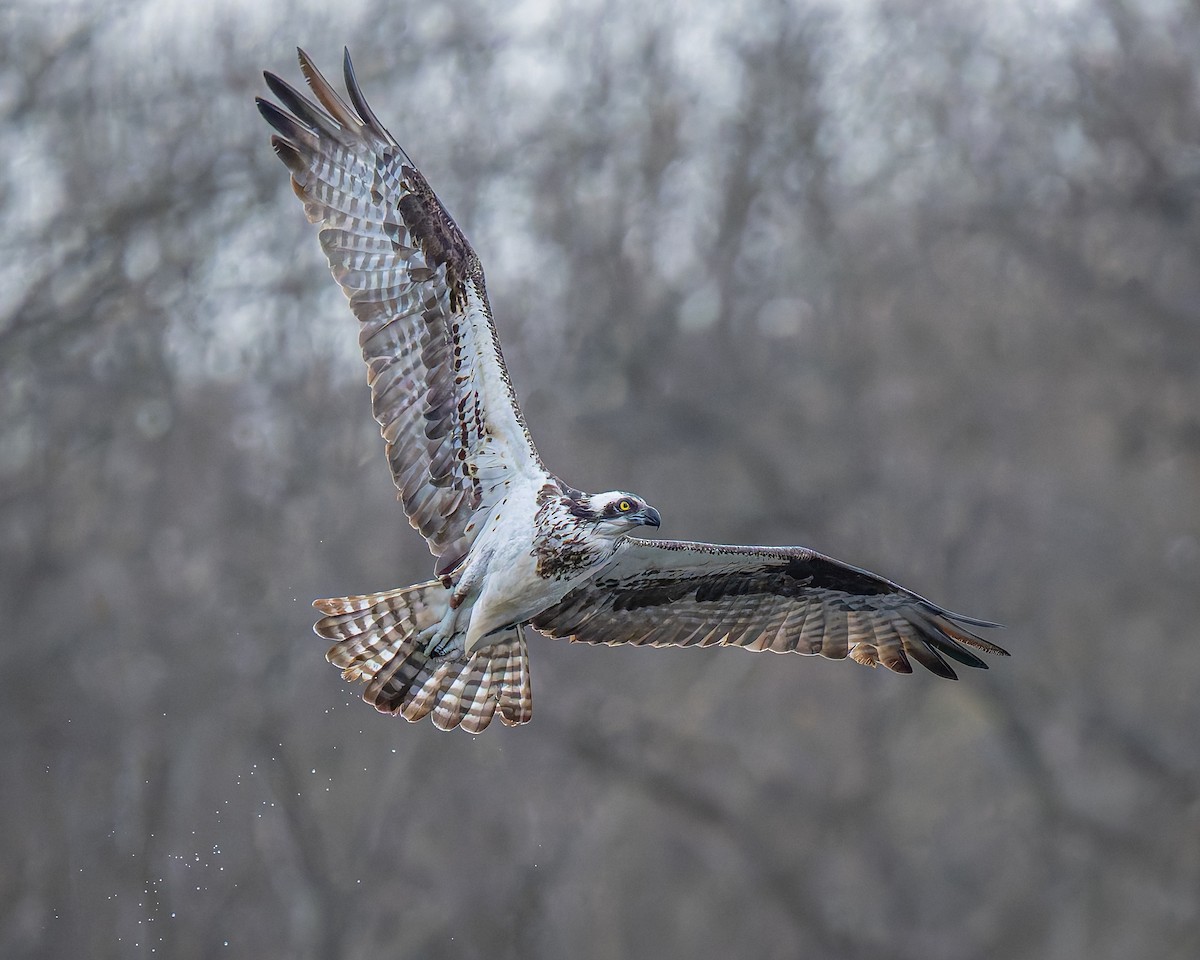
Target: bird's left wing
(783, 599)
(439, 388)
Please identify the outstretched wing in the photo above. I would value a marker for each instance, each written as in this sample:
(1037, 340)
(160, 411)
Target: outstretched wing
(439, 388)
(784, 599)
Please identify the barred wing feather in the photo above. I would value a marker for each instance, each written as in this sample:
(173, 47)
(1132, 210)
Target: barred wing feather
(783, 599)
(440, 390)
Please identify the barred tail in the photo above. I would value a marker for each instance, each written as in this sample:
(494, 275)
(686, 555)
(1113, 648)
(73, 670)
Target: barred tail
(380, 639)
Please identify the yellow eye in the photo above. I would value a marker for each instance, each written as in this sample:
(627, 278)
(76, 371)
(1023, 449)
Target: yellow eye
(624, 506)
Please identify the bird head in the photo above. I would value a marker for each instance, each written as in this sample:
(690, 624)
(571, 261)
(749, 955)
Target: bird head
(617, 511)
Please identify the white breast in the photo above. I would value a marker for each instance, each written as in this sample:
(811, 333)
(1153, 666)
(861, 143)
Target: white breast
(512, 589)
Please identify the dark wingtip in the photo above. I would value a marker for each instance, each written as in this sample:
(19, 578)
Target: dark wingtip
(349, 77)
(290, 156)
(277, 85)
(360, 101)
(961, 654)
(939, 637)
(927, 656)
(973, 621)
(276, 117)
(303, 109)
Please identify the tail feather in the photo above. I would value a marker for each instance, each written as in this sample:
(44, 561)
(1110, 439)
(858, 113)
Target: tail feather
(425, 690)
(516, 691)
(391, 689)
(372, 628)
(482, 703)
(451, 706)
(379, 639)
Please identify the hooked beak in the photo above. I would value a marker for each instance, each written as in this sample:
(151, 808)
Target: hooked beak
(650, 517)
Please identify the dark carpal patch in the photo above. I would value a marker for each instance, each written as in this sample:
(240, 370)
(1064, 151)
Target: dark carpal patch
(830, 575)
(438, 236)
(789, 578)
(654, 593)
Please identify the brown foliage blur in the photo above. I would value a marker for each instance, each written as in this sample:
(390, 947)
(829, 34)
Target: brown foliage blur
(916, 284)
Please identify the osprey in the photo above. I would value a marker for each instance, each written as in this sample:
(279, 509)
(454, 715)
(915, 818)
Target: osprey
(516, 546)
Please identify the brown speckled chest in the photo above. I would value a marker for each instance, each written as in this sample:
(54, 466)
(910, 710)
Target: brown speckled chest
(563, 544)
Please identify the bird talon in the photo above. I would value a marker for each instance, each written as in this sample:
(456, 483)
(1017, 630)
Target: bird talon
(438, 646)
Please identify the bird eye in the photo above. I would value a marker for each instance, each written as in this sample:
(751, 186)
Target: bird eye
(624, 506)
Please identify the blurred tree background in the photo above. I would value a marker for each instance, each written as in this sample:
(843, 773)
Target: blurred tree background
(915, 283)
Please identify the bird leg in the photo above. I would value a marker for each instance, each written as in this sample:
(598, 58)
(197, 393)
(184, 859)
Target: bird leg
(470, 579)
(442, 639)
(445, 639)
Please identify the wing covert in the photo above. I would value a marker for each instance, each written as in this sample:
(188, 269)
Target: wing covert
(439, 387)
(782, 599)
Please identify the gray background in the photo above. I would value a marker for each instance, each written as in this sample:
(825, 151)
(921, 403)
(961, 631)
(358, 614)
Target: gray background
(916, 284)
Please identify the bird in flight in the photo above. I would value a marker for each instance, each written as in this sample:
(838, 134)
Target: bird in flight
(515, 545)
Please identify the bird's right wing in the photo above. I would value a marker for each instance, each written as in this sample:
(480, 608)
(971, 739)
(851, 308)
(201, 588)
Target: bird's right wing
(439, 387)
(783, 599)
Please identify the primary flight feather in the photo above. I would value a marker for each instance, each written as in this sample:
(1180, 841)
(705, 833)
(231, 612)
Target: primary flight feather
(516, 546)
